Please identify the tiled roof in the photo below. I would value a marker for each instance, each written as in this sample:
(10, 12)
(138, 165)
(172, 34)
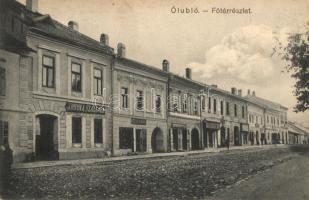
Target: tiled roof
(45, 25)
(263, 102)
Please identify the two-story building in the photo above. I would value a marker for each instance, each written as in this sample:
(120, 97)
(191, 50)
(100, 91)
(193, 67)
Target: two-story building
(184, 119)
(52, 74)
(139, 106)
(224, 119)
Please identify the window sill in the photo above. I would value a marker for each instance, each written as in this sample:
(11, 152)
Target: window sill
(98, 145)
(77, 145)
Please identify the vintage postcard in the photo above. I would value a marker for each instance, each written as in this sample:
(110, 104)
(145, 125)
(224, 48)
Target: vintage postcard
(154, 99)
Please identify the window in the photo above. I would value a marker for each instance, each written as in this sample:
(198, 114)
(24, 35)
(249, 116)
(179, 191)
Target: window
(215, 106)
(221, 107)
(48, 72)
(4, 132)
(243, 111)
(158, 103)
(76, 130)
(98, 137)
(227, 108)
(2, 82)
(235, 110)
(139, 100)
(124, 97)
(175, 103)
(76, 77)
(195, 107)
(203, 102)
(267, 119)
(209, 104)
(126, 140)
(97, 82)
(184, 103)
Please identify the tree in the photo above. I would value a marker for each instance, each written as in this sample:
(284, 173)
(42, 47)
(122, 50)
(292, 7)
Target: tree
(296, 53)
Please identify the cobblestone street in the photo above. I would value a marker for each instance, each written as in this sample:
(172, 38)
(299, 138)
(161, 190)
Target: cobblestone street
(181, 177)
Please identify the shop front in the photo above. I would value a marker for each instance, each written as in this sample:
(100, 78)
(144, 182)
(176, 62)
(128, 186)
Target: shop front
(210, 133)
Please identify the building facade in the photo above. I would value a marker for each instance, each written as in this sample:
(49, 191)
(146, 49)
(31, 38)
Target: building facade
(64, 95)
(52, 75)
(139, 108)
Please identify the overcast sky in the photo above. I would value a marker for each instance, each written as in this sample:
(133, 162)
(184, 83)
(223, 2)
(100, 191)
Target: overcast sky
(224, 49)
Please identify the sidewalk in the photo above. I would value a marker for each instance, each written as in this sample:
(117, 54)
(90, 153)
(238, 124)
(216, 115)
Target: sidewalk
(134, 157)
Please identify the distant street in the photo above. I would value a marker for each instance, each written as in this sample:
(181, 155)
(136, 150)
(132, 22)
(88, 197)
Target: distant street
(289, 180)
(183, 177)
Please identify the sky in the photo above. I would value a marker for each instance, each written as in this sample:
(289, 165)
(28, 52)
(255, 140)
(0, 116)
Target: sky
(229, 50)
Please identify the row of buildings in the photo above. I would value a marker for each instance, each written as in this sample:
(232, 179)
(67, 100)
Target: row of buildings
(67, 96)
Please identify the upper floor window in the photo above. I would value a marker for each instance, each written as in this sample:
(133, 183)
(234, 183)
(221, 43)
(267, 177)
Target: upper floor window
(184, 103)
(227, 108)
(97, 82)
(4, 132)
(2, 82)
(221, 107)
(158, 103)
(195, 107)
(175, 103)
(124, 97)
(209, 103)
(267, 118)
(235, 110)
(215, 106)
(48, 72)
(139, 100)
(203, 102)
(76, 77)
(243, 111)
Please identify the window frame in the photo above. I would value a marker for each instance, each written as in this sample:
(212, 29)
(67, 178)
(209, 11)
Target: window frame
(96, 80)
(139, 100)
(47, 67)
(158, 108)
(80, 77)
(76, 140)
(3, 81)
(124, 97)
(98, 134)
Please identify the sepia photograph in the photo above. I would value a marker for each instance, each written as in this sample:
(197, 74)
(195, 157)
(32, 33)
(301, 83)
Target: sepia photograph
(154, 99)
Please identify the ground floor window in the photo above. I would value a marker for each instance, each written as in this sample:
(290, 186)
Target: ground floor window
(4, 132)
(126, 140)
(98, 131)
(76, 130)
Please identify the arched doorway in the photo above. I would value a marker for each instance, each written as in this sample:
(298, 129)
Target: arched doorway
(46, 139)
(157, 140)
(195, 142)
(236, 135)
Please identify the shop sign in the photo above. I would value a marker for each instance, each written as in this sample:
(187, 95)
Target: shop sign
(244, 127)
(84, 108)
(212, 125)
(138, 121)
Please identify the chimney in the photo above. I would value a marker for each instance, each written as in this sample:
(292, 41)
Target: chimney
(32, 5)
(188, 73)
(166, 65)
(104, 39)
(249, 93)
(253, 93)
(233, 90)
(73, 25)
(121, 50)
(240, 92)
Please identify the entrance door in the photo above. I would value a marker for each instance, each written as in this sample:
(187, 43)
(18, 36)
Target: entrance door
(141, 140)
(236, 136)
(157, 140)
(195, 145)
(46, 138)
(175, 138)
